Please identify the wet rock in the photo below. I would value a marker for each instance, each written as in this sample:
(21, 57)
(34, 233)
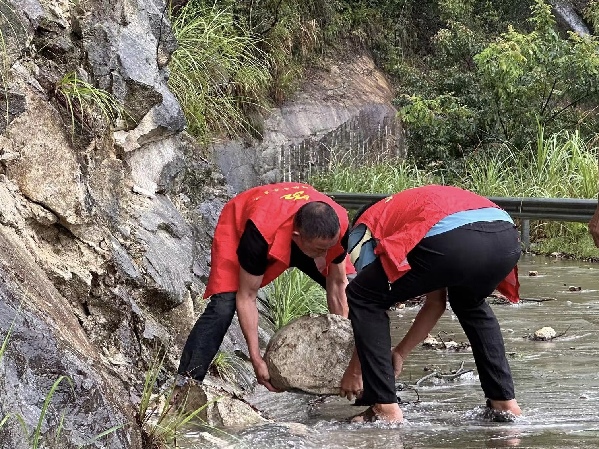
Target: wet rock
(533, 273)
(449, 344)
(574, 288)
(310, 354)
(219, 402)
(168, 249)
(45, 343)
(431, 341)
(544, 334)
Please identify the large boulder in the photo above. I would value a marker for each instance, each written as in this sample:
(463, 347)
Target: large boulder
(310, 354)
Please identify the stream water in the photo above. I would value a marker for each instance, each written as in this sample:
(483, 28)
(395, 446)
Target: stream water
(557, 382)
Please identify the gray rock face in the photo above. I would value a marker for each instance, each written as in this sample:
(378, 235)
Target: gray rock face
(341, 114)
(127, 43)
(45, 342)
(310, 354)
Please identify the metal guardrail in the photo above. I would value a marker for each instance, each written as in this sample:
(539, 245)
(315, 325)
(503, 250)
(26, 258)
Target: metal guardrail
(551, 209)
(554, 209)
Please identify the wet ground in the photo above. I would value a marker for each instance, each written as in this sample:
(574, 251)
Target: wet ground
(557, 382)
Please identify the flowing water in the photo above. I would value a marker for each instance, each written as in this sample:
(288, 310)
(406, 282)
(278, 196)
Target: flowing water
(557, 382)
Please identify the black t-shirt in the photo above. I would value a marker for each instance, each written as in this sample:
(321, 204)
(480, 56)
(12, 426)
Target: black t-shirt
(252, 253)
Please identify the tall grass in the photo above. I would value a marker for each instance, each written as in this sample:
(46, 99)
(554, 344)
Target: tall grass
(294, 294)
(391, 176)
(562, 165)
(218, 71)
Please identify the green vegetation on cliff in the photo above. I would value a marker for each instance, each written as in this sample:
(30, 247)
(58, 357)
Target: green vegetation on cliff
(469, 74)
(479, 86)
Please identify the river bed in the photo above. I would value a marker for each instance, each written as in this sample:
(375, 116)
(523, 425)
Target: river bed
(557, 382)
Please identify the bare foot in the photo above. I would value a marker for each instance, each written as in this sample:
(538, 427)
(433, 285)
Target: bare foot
(390, 413)
(505, 406)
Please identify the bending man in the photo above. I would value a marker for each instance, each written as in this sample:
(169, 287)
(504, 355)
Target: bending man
(429, 240)
(260, 233)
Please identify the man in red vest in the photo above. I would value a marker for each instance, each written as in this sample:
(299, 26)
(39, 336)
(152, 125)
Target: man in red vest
(438, 241)
(260, 233)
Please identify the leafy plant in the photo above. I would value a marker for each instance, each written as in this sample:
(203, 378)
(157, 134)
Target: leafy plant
(529, 78)
(294, 294)
(477, 89)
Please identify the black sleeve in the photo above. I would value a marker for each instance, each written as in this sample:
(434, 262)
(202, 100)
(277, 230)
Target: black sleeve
(252, 251)
(341, 257)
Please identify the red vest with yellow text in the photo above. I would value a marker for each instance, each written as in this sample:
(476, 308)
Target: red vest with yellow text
(271, 208)
(400, 221)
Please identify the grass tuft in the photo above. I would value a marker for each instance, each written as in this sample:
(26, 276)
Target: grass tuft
(292, 295)
(88, 106)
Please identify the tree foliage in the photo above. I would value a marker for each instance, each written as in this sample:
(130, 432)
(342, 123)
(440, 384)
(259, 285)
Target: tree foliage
(481, 92)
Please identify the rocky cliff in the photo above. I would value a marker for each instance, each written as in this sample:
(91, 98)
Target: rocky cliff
(105, 232)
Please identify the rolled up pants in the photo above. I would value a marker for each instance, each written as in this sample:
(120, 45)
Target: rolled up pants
(470, 261)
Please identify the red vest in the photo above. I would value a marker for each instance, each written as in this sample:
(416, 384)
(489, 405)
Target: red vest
(271, 208)
(400, 221)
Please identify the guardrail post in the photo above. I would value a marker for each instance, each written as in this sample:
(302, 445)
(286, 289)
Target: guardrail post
(525, 234)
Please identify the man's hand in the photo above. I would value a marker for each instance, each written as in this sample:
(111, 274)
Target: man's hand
(262, 374)
(351, 384)
(397, 362)
(594, 227)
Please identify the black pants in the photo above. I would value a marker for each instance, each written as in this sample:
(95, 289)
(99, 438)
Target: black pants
(208, 333)
(470, 262)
